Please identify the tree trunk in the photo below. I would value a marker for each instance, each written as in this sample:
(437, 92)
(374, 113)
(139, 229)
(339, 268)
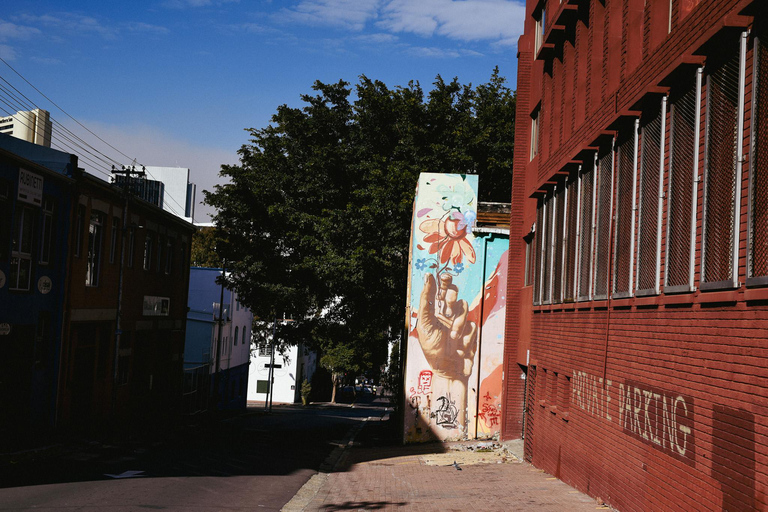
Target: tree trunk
(335, 381)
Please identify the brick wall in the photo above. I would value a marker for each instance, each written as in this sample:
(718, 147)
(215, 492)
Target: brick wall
(654, 402)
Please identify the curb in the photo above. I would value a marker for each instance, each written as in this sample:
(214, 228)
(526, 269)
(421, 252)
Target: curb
(307, 493)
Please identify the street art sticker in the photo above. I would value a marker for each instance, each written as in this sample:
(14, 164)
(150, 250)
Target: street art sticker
(450, 300)
(659, 418)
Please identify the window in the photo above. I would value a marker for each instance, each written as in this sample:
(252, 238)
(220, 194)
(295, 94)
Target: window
(46, 232)
(93, 262)
(148, 252)
(603, 223)
(236, 335)
(265, 349)
(535, 132)
(539, 264)
(159, 267)
(540, 16)
(586, 227)
(651, 200)
(21, 249)
(558, 235)
(546, 257)
(243, 335)
(624, 234)
(757, 254)
(262, 386)
(722, 169)
(113, 239)
(131, 245)
(169, 256)
(570, 245)
(685, 104)
(79, 227)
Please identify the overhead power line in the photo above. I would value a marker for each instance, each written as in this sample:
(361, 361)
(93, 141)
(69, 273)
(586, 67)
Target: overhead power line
(66, 140)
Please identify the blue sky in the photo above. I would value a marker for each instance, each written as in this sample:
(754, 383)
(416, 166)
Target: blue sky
(176, 82)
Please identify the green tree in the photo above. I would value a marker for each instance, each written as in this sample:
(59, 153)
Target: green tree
(203, 248)
(315, 220)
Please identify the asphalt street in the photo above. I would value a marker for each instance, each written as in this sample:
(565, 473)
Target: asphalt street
(250, 461)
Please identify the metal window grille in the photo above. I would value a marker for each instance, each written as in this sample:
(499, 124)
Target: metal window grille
(603, 224)
(530, 409)
(721, 195)
(586, 223)
(649, 215)
(571, 238)
(538, 238)
(684, 115)
(758, 186)
(626, 160)
(558, 244)
(546, 278)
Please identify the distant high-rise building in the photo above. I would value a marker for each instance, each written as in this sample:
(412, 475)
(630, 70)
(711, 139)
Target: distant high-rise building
(178, 193)
(29, 125)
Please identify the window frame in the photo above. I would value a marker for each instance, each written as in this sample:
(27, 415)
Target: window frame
(733, 282)
(48, 211)
(22, 212)
(689, 287)
(95, 248)
(757, 85)
(659, 188)
(633, 141)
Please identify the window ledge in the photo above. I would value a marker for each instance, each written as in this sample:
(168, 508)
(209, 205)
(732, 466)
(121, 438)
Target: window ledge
(756, 294)
(719, 296)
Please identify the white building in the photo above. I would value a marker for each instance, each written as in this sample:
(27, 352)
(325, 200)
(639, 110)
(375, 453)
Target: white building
(30, 125)
(179, 193)
(289, 371)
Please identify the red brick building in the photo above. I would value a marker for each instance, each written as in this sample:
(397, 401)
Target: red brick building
(136, 379)
(638, 279)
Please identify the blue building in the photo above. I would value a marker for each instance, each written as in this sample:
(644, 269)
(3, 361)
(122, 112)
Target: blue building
(216, 353)
(36, 189)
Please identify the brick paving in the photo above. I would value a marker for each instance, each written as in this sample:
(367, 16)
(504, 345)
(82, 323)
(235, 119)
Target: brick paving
(402, 478)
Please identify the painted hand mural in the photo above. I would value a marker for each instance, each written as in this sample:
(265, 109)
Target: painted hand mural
(449, 341)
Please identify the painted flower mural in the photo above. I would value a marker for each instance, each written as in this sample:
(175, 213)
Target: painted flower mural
(454, 387)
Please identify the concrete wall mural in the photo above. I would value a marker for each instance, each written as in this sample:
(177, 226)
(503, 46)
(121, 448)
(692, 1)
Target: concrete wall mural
(453, 372)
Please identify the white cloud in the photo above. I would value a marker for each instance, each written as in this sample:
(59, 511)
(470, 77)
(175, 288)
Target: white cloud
(10, 31)
(349, 14)
(74, 23)
(441, 53)
(464, 20)
(379, 38)
(194, 4)
(7, 52)
(151, 146)
(146, 28)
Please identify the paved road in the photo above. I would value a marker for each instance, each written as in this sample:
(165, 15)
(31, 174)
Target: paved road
(254, 461)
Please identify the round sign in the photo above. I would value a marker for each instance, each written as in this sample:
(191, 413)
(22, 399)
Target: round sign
(5, 329)
(44, 284)
(2, 279)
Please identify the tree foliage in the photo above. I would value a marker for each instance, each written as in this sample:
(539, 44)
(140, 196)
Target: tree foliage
(203, 248)
(315, 219)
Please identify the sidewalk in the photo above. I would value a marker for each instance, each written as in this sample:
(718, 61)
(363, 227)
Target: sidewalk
(436, 476)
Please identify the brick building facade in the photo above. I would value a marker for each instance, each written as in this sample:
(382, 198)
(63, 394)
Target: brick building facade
(638, 269)
(142, 382)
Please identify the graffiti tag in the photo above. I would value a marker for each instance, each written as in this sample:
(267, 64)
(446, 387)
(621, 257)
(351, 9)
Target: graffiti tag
(446, 415)
(489, 412)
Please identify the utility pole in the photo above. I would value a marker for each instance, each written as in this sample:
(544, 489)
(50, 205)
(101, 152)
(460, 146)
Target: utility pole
(128, 173)
(270, 390)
